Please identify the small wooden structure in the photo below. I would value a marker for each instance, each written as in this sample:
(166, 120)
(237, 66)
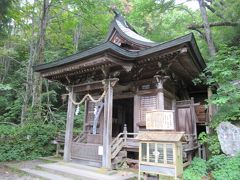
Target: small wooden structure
(118, 82)
(161, 153)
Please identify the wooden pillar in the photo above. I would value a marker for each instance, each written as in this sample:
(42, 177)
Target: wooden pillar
(160, 100)
(210, 108)
(107, 124)
(193, 117)
(85, 117)
(136, 112)
(174, 108)
(69, 127)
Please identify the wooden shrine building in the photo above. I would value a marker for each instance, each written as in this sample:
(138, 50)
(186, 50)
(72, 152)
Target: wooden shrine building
(120, 80)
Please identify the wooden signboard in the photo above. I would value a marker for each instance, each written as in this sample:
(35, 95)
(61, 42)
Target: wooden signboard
(160, 120)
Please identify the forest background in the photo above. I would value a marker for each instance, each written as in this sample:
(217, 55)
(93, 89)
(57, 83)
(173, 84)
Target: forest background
(32, 109)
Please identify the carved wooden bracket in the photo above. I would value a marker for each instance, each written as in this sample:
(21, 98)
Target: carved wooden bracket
(112, 81)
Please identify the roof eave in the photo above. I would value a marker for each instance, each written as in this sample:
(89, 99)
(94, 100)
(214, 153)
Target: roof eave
(108, 46)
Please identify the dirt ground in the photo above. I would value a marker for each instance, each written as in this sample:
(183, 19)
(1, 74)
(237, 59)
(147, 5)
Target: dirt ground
(7, 174)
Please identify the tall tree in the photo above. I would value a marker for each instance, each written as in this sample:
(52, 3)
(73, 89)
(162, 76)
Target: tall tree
(208, 33)
(29, 71)
(39, 59)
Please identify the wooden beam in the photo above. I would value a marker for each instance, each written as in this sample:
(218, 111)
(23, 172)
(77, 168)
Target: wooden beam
(95, 85)
(125, 95)
(69, 127)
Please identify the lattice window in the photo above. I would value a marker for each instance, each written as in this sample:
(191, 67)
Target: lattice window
(147, 103)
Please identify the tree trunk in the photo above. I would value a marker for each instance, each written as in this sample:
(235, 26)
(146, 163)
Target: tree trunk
(37, 89)
(76, 37)
(29, 76)
(211, 47)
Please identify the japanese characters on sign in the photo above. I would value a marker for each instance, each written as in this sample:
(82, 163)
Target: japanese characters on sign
(161, 120)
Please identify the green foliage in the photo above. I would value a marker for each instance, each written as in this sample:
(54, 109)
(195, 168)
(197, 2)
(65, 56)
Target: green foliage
(27, 142)
(12, 112)
(211, 140)
(225, 167)
(217, 162)
(220, 167)
(223, 74)
(5, 87)
(196, 171)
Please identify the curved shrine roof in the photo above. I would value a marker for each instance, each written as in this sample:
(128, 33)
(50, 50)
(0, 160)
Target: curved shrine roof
(125, 30)
(125, 47)
(188, 40)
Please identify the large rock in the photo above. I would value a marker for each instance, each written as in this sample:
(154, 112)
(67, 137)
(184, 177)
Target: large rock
(229, 138)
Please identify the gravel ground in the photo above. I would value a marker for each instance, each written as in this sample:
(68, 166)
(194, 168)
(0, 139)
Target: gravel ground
(9, 174)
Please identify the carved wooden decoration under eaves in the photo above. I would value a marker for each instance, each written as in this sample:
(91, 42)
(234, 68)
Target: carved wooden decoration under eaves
(125, 44)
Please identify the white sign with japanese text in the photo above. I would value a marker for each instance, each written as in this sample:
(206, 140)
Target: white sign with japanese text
(161, 120)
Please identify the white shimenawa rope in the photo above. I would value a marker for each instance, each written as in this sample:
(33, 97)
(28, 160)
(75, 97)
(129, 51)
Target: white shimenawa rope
(88, 96)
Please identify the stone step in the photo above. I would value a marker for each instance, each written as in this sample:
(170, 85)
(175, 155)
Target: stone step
(79, 166)
(51, 159)
(87, 162)
(74, 172)
(44, 175)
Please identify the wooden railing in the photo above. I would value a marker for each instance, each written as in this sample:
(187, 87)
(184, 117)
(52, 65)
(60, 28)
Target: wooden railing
(80, 138)
(123, 140)
(117, 145)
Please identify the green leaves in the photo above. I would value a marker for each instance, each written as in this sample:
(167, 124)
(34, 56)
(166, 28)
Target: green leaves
(220, 167)
(211, 140)
(225, 70)
(5, 87)
(27, 142)
(196, 171)
(223, 74)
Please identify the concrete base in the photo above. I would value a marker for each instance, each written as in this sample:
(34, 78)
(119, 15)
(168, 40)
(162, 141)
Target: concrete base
(44, 175)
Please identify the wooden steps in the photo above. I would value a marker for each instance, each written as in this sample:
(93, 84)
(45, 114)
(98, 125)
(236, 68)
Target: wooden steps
(122, 144)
